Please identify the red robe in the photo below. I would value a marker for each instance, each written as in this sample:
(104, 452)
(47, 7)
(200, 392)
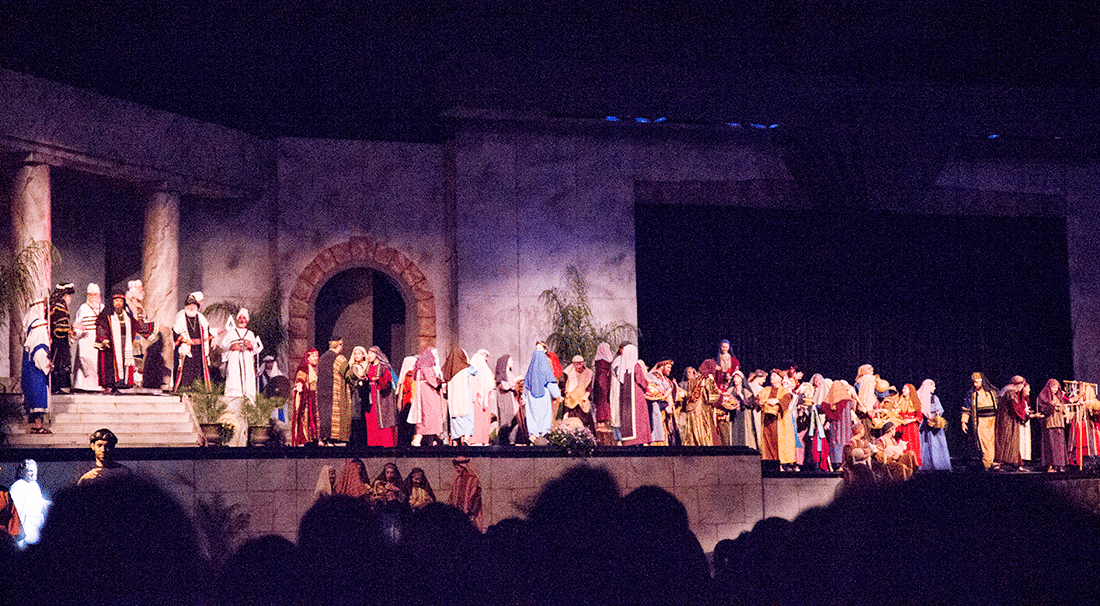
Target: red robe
(376, 435)
(466, 494)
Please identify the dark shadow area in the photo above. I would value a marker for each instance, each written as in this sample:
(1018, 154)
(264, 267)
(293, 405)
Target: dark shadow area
(917, 296)
(364, 307)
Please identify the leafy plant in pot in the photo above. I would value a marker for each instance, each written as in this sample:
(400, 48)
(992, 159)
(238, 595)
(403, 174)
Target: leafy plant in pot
(209, 408)
(258, 416)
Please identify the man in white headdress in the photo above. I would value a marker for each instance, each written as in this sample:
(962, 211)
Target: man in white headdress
(240, 347)
(192, 332)
(85, 366)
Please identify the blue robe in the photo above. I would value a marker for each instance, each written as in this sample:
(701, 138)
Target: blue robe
(34, 381)
(933, 443)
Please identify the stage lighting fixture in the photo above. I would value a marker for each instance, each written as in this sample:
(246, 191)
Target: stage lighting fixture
(734, 124)
(643, 120)
(611, 119)
(993, 136)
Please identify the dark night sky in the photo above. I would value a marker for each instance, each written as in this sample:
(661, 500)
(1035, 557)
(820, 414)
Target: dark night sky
(387, 68)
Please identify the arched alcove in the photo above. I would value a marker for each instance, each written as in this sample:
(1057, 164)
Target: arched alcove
(363, 307)
(361, 254)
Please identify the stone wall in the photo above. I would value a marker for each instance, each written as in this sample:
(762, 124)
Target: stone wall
(724, 495)
(530, 204)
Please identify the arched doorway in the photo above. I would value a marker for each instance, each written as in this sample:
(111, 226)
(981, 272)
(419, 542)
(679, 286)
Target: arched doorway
(362, 253)
(363, 307)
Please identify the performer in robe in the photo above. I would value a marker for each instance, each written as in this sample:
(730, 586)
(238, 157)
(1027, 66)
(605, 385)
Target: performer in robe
(35, 377)
(193, 340)
(240, 347)
(359, 402)
(615, 395)
(979, 413)
(483, 396)
(697, 422)
(406, 385)
(510, 418)
(86, 363)
(578, 392)
(660, 395)
(381, 414)
(775, 401)
(839, 408)
(459, 400)
(727, 364)
(909, 410)
(1012, 413)
(466, 490)
(29, 501)
(601, 394)
(816, 446)
(419, 489)
(540, 389)
(633, 409)
(1052, 406)
(331, 396)
(856, 454)
(891, 461)
(115, 335)
(933, 437)
(426, 409)
(303, 419)
(746, 414)
(61, 334)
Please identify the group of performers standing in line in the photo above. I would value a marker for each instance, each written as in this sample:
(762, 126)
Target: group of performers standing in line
(819, 424)
(117, 348)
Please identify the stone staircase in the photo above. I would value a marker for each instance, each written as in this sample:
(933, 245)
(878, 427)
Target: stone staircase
(138, 419)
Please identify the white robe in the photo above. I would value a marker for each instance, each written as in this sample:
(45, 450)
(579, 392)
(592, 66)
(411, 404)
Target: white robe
(31, 506)
(86, 362)
(240, 366)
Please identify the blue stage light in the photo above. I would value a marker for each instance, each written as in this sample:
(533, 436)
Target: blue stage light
(993, 136)
(774, 126)
(734, 124)
(611, 119)
(761, 126)
(661, 119)
(642, 120)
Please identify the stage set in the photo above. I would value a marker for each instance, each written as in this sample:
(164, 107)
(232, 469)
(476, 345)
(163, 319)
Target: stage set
(954, 253)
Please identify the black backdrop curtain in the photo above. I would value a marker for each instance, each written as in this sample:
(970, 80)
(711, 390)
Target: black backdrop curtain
(917, 296)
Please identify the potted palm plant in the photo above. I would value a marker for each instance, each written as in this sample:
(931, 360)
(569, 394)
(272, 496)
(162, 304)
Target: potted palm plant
(258, 416)
(209, 408)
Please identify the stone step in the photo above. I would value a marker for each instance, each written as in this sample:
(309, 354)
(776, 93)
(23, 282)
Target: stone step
(145, 417)
(170, 406)
(125, 440)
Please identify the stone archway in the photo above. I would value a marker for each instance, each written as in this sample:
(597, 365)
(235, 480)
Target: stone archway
(361, 251)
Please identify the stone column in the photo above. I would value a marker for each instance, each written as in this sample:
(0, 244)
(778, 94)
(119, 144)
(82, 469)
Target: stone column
(160, 270)
(30, 220)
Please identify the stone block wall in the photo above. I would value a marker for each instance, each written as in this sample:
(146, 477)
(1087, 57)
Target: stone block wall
(724, 495)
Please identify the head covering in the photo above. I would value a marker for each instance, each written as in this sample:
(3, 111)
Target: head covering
(396, 473)
(66, 288)
(426, 360)
(1015, 384)
(274, 372)
(986, 385)
(456, 361)
(924, 394)
(324, 481)
(539, 374)
(626, 364)
(578, 358)
(93, 288)
(500, 373)
(381, 357)
(406, 366)
(839, 391)
(1047, 397)
(708, 367)
(194, 298)
(555, 364)
(603, 352)
(426, 486)
(460, 460)
(352, 479)
(303, 366)
(822, 389)
(243, 312)
(865, 369)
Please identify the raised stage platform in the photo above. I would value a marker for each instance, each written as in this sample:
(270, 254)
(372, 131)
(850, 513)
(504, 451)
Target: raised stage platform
(723, 489)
